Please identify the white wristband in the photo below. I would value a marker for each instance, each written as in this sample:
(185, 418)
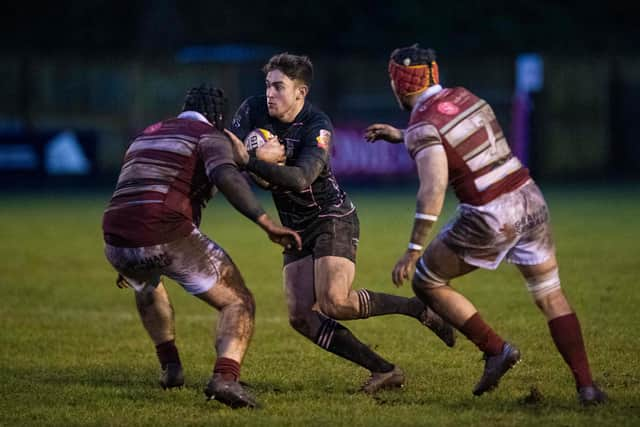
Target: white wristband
(415, 246)
(428, 217)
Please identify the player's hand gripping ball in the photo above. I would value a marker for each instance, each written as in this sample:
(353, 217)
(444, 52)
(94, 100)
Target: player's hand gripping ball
(257, 138)
(254, 140)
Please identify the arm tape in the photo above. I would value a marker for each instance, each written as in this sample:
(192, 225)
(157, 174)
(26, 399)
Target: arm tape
(427, 217)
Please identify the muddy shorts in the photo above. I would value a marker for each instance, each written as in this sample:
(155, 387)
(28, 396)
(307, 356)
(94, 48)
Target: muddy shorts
(193, 261)
(514, 226)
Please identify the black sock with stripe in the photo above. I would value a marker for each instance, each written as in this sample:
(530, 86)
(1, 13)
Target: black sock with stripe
(337, 339)
(377, 304)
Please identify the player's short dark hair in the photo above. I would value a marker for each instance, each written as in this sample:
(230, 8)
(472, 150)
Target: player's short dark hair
(208, 101)
(295, 67)
(415, 54)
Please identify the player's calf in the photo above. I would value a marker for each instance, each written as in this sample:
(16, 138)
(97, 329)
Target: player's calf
(340, 308)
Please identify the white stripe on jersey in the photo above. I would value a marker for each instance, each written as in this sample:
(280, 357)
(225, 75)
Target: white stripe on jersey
(481, 118)
(170, 144)
(483, 182)
(136, 171)
(488, 156)
(462, 116)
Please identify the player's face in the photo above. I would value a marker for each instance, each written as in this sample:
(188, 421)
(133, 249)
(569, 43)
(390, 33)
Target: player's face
(285, 97)
(402, 102)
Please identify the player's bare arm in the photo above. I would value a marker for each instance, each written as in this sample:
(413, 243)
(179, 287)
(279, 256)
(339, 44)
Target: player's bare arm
(381, 131)
(432, 168)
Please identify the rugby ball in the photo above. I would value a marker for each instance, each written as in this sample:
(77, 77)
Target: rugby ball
(257, 138)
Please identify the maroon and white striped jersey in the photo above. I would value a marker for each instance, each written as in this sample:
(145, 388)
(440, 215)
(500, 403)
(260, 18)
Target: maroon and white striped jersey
(164, 182)
(481, 165)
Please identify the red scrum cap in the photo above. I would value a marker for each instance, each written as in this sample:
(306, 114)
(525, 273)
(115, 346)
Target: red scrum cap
(413, 69)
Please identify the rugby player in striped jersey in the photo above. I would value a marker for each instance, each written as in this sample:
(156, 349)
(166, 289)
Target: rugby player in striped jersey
(151, 229)
(454, 137)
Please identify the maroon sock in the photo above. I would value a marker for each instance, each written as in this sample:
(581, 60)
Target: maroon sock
(167, 353)
(229, 368)
(481, 334)
(566, 334)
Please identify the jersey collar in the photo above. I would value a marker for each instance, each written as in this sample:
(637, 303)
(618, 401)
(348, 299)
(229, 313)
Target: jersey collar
(432, 90)
(193, 115)
(300, 116)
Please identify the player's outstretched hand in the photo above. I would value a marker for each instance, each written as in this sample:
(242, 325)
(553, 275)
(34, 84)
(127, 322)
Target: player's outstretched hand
(272, 151)
(283, 236)
(405, 267)
(381, 131)
(240, 153)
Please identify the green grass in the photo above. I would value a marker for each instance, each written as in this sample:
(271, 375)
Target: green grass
(73, 352)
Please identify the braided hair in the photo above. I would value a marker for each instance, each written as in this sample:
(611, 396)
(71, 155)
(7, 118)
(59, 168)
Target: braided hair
(208, 101)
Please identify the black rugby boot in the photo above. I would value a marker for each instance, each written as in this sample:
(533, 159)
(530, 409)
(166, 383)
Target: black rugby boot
(231, 393)
(495, 367)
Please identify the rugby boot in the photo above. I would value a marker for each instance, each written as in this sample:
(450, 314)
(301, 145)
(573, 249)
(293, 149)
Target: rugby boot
(231, 393)
(591, 395)
(171, 376)
(439, 326)
(383, 380)
(495, 367)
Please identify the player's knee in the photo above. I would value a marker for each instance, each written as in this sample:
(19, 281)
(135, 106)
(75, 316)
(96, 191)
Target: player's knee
(146, 298)
(541, 287)
(424, 280)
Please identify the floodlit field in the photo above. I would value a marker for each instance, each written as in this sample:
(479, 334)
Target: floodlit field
(73, 352)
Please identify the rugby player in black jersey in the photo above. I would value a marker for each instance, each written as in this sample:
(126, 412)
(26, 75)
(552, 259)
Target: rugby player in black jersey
(318, 278)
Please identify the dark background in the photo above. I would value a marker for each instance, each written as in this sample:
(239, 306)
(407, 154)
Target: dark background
(341, 28)
(109, 68)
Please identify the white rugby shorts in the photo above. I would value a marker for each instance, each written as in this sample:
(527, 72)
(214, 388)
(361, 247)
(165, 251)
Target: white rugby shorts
(193, 261)
(515, 226)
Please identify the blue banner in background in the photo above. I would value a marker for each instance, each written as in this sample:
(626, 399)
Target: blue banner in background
(36, 158)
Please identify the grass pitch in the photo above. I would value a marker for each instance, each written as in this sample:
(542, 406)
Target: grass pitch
(73, 352)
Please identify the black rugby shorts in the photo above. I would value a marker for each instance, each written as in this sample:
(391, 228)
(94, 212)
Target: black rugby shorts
(328, 236)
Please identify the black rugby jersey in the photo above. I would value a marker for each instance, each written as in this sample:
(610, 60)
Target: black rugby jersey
(307, 139)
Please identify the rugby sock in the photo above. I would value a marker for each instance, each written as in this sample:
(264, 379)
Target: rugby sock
(228, 368)
(481, 334)
(376, 304)
(167, 353)
(337, 339)
(567, 335)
